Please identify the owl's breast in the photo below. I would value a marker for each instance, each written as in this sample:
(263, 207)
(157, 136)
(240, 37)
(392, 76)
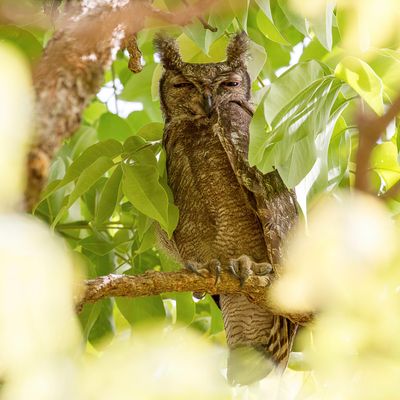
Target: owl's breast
(216, 220)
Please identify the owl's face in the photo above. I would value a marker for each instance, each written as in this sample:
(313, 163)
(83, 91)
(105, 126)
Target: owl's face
(198, 90)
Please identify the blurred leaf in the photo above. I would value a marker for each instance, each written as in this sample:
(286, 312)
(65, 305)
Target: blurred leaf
(266, 25)
(384, 161)
(240, 10)
(296, 20)
(269, 30)
(185, 307)
(298, 362)
(362, 78)
(22, 38)
(141, 309)
(322, 25)
(386, 64)
(103, 328)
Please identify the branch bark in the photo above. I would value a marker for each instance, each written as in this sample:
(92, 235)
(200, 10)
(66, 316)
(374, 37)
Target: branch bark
(371, 128)
(154, 283)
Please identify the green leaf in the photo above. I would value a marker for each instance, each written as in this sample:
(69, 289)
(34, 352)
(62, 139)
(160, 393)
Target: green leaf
(258, 57)
(99, 244)
(141, 309)
(298, 109)
(136, 149)
(386, 64)
(385, 163)
(112, 126)
(267, 27)
(290, 84)
(363, 79)
(326, 172)
(322, 25)
(140, 185)
(89, 177)
(240, 9)
(88, 316)
(103, 329)
(108, 148)
(185, 307)
(148, 240)
(23, 39)
(93, 112)
(151, 132)
(297, 21)
(109, 196)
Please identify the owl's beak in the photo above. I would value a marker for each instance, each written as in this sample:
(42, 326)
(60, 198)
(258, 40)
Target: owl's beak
(207, 104)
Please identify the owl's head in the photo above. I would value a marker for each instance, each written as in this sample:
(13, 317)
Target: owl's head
(197, 90)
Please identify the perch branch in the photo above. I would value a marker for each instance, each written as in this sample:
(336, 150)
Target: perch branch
(154, 283)
(370, 129)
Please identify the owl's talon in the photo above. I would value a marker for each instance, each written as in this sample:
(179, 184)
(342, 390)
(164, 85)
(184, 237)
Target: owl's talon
(196, 268)
(243, 267)
(205, 270)
(217, 270)
(262, 269)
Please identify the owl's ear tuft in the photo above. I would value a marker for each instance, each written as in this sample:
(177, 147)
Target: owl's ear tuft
(237, 51)
(168, 49)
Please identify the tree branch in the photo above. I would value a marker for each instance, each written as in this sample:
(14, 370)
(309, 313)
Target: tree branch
(154, 283)
(370, 129)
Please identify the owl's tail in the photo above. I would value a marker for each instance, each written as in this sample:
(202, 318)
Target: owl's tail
(259, 341)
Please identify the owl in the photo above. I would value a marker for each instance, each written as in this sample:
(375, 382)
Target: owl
(230, 214)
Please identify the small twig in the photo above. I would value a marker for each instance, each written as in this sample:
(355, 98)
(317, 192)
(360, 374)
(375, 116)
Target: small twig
(260, 81)
(205, 24)
(122, 257)
(114, 88)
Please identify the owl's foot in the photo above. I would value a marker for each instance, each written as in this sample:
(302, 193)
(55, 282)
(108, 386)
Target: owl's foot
(244, 266)
(241, 267)
(212, 268)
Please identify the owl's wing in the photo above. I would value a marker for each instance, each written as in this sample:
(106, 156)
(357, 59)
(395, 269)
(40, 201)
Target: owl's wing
(276, 209)
(272, 201)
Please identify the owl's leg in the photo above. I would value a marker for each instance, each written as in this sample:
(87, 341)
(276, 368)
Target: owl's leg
(244, 266)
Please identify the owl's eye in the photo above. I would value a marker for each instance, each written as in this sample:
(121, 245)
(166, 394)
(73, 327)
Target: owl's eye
(231, 83)
(183, 85)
